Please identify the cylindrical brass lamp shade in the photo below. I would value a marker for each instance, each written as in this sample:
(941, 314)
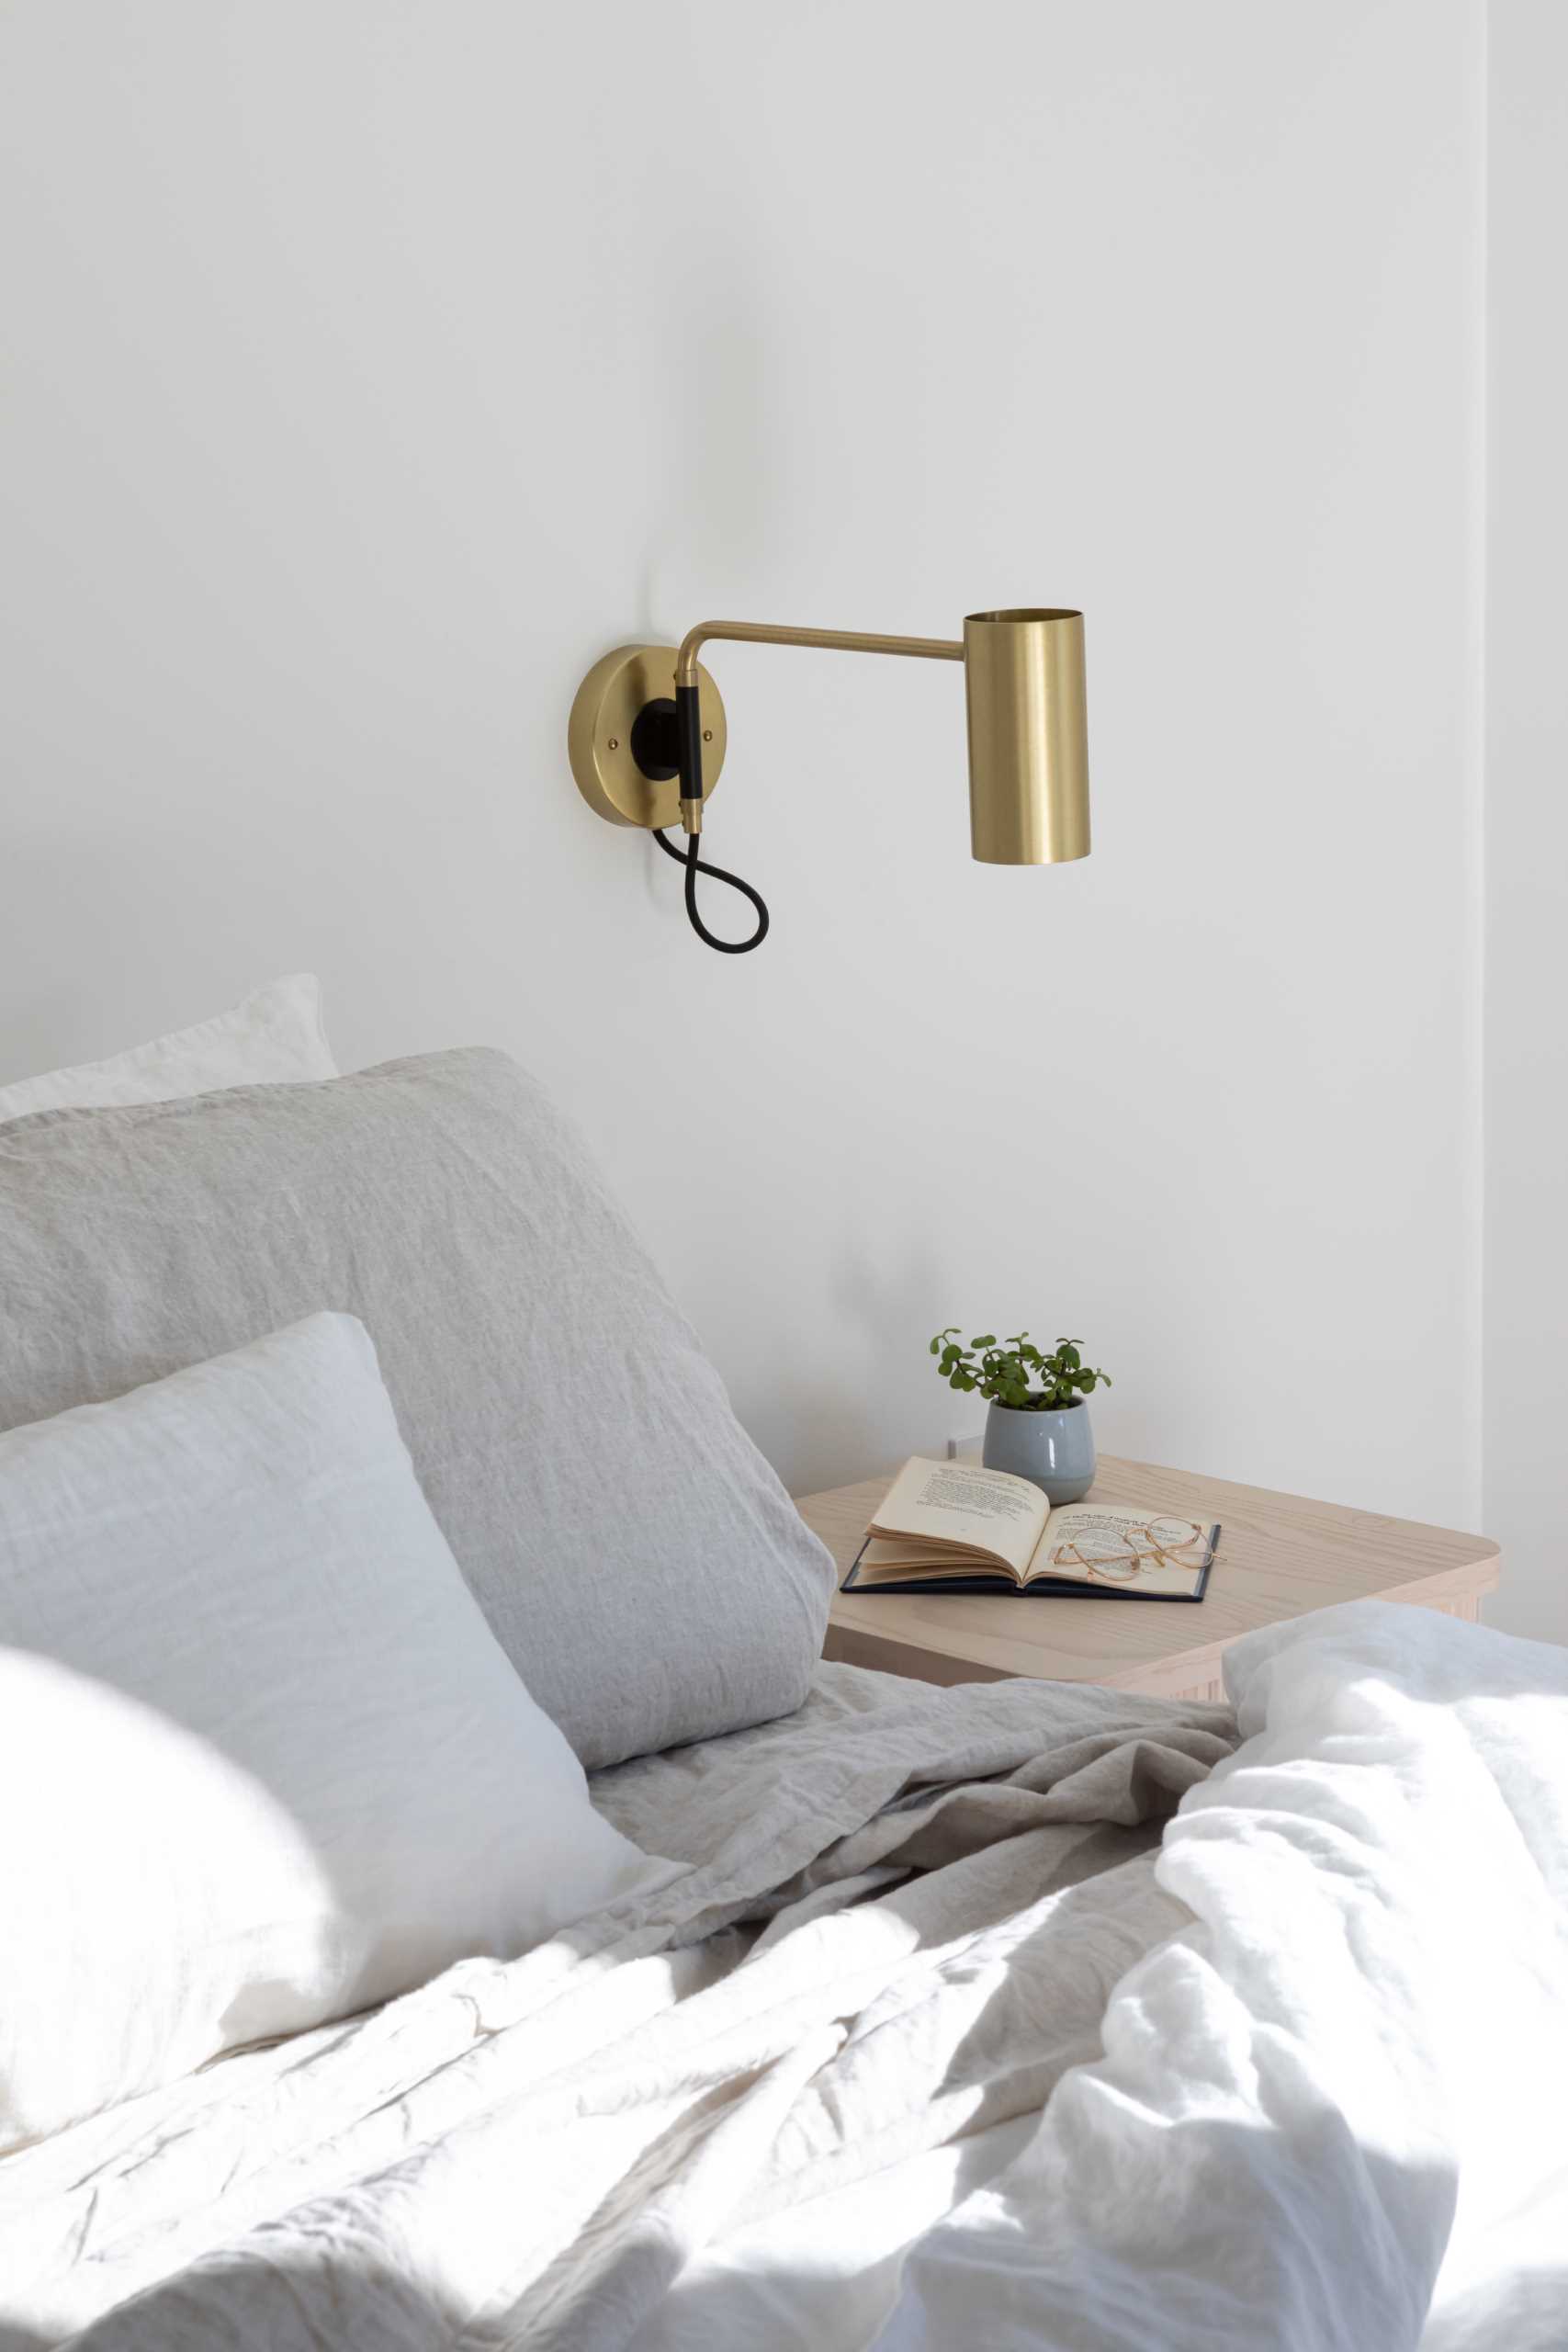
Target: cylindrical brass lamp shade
(1028, 737)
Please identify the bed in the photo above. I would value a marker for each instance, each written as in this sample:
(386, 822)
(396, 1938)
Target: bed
(1007, 2014)
(948, 2029)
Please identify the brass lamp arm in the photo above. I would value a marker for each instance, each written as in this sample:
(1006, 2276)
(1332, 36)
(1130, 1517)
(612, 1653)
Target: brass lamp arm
(838, 640)
(688, 716)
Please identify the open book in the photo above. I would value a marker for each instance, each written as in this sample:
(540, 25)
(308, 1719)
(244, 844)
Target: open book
(952, 1527)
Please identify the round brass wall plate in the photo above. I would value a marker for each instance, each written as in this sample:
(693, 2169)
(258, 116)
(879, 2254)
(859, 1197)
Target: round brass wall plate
(599, 735)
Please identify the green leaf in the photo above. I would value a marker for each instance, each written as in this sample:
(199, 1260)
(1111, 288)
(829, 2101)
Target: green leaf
(1001, 1369)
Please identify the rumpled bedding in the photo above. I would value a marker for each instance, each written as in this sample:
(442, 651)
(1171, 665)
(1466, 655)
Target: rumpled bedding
(928, 2037)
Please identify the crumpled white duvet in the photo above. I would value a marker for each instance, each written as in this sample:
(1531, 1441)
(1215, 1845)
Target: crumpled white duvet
(1333, 2111)
(933, 2044)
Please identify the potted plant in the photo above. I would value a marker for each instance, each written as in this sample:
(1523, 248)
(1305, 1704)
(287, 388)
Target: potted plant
(1038, 1424)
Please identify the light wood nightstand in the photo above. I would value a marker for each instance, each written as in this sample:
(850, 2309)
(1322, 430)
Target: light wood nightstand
(1279, 1556)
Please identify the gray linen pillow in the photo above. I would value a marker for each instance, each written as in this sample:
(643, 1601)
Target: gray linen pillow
(637, 1559)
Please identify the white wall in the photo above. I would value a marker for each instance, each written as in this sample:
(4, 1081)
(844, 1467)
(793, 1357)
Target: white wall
(1527, 815)
(374, 367)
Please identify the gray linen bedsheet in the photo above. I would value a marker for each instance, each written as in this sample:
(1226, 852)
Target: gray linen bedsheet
(891, 1922)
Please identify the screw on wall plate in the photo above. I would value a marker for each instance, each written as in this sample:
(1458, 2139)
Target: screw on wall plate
(615, 743)
(708, 734)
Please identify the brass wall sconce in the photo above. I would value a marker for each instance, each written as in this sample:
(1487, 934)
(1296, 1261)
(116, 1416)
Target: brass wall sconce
(648, 737)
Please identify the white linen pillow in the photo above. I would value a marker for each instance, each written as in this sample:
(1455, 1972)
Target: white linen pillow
(273, 1036)
(263, 1762)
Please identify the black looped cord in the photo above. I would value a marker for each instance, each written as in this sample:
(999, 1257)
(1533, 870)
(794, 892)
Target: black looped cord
(695, 865)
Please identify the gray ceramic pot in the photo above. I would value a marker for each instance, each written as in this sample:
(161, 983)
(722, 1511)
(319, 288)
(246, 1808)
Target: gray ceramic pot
(1054, 1450)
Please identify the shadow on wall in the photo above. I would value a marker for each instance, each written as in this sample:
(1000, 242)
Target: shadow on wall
(723, 512)
(893, 1307)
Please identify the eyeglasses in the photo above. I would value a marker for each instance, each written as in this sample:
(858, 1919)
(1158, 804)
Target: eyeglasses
(1118, 1559)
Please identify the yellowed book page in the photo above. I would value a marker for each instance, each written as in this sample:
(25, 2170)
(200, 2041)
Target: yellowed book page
(1128, 1551)
(953, 1503)
(883, 1558)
